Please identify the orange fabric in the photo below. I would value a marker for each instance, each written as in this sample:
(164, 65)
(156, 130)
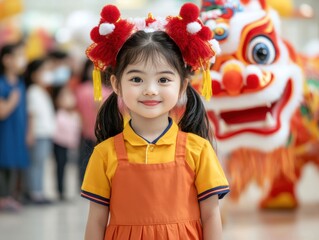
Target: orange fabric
(166, 206)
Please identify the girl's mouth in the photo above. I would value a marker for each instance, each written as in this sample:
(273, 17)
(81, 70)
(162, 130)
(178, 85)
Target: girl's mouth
(150, 102)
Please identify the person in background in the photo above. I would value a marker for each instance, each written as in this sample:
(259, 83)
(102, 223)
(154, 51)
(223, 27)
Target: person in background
(39, 78)
(13, 123)
(67, 134)
(61, 66)
(88, 110)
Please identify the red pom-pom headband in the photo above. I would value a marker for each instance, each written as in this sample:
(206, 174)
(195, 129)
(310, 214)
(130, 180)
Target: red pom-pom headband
(192, 37)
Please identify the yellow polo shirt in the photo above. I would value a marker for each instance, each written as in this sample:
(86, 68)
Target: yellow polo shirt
(210, 179)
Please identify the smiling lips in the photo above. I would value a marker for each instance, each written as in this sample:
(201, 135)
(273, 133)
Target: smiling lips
(150, 102)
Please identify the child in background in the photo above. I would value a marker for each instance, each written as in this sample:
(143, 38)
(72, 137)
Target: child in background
(42, 123)
(13, 123)
(67, 134)
(153, 178)
(88, 110)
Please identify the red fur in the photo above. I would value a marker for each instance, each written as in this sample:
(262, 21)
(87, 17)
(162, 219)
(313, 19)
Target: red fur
(105, 51)
(95, 35)
(205, 33)
(176, 29)
(189, 12)
(149, 20)
(110, 13)
(194, 47)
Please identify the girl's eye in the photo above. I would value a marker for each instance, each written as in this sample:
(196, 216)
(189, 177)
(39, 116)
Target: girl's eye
(163, 80)
(136, 80)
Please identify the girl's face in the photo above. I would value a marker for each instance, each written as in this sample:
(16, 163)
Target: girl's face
(43, 76)
(149, 89)
(16, 62)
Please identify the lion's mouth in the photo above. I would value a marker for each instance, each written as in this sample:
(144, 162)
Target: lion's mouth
(259, 120)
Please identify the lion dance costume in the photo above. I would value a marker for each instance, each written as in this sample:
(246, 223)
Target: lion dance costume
(260, 108)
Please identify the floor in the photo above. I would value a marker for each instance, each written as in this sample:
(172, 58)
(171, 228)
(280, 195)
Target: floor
(242, 220)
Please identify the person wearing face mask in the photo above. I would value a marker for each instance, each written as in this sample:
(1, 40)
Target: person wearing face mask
(39, 78)
(13, 125)
(61, 67)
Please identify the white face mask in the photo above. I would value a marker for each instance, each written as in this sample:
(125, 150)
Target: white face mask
(61, 75)
(47, 78)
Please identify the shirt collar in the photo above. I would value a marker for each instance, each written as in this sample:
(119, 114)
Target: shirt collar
(168, 137)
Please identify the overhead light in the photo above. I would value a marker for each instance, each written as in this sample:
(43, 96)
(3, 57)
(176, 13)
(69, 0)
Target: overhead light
(306, 10)
(129, 4)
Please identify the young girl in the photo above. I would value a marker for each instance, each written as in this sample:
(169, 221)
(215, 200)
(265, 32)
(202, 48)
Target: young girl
(67, 134)
(153, 178)
(42, 125)
(13, 123)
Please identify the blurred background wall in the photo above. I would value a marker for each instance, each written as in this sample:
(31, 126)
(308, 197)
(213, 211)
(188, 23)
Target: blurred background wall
(69, 21)
(67, 24)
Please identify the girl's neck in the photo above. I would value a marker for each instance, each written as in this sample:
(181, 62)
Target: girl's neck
(149, 129)
(11, 77)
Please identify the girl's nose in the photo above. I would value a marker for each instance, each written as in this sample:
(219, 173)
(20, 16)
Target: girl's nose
(150, 89)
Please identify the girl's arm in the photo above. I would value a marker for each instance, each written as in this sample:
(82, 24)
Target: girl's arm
(7, 106)
(30, 131)
(97, 222)
(211, 219)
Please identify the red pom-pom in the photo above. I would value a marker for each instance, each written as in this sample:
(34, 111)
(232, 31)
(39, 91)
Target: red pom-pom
(110, 13)
(189, 12)
(205, 33)
(95, 35)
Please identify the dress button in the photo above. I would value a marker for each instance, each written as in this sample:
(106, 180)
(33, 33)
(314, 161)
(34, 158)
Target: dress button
(151, 148)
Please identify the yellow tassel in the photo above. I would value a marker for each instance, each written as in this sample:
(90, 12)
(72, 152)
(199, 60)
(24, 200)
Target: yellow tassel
(207, 84)
(97, 85)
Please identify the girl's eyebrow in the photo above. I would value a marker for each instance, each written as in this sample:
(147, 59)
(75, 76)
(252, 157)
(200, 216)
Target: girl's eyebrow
(161, 72)
(134, 71)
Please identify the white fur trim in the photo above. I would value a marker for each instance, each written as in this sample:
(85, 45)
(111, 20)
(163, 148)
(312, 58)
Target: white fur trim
(106, 28)
(159, 24)
(193, 27)
(213, 60)
(215, 45)
(138, 22)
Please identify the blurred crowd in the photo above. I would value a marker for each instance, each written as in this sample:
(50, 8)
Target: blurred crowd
(47, 111)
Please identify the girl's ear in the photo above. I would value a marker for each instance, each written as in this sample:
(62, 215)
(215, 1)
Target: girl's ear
(183, 88)
(114, 84)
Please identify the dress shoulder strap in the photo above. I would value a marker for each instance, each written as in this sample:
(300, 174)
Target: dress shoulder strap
(180, 151)
(120, 147)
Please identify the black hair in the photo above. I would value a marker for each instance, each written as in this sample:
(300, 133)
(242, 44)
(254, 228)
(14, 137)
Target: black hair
(143, 46)
(86, 71)
(8, 49)
(57, 54)
(32, 67)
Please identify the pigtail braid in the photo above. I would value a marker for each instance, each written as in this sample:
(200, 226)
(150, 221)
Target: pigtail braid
(195, 119)
(109, 121)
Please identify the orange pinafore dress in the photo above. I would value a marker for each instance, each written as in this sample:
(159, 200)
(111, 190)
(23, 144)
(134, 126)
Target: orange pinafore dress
(154, 201)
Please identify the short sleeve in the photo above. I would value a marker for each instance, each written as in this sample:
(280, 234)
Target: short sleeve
(4, 89)
(96, 184)
(210, 178)
(32, 101)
